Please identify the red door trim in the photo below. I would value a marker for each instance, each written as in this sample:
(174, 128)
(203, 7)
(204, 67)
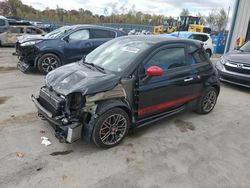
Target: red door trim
(158, 107)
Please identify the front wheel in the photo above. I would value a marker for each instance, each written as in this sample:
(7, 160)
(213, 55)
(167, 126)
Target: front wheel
(111, 128)
(48, 62)
(207, 101)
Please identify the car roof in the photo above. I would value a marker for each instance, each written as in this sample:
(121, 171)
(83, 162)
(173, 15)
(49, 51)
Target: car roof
(2, 17)
(191, 33)
(155, 39)
(79, 26)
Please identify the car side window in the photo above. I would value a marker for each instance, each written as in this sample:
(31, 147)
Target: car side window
(202, 38)
(100, 33)
(197, 56)
(31, 30)
(2, 22)
(79, 35)
(168, 58)
(16, 30)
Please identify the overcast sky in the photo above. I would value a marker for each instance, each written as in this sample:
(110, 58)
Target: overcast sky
(165, 7)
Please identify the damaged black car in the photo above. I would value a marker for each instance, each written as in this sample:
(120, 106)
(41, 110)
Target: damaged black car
(124, 84)
(62, 46)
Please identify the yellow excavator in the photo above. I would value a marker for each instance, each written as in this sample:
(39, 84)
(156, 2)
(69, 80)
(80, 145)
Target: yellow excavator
(186, 23)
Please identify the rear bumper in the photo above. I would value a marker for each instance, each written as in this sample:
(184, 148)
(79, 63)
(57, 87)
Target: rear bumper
(64, 131)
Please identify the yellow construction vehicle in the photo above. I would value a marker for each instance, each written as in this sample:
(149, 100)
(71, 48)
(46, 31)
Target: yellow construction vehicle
(199, 28)
(185, 23)
(169, 26)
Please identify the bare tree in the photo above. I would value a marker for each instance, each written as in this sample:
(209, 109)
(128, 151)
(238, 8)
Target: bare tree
(221, 20)
(184, 12)
(217, 20)
(202, 18)
(211, 19)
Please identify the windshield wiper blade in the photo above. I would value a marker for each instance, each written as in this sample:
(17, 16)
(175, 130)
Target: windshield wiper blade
(101, 69)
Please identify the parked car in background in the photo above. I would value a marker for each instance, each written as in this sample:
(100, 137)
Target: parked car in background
(203, 37)
(4, 25)
(9, 37)
(124, 84)
(234, 66)
(64, 45)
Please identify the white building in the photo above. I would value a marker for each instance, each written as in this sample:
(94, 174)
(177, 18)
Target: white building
(240, 24)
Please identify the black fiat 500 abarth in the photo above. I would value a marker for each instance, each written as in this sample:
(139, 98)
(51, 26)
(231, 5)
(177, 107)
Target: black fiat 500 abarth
(124, 84)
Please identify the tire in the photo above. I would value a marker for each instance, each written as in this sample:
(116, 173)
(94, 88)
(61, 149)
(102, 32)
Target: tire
(207, 101)
(106, 134)
(209, 53)
(48, 62)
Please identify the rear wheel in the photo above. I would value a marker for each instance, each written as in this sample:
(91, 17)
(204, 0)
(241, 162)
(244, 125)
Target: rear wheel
(207, 101)
(111, 128)
(48, 62)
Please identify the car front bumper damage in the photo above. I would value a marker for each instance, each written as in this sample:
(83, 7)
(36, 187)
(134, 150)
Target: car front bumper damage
(66, 130)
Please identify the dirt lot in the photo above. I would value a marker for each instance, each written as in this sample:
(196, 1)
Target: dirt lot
(187, 150)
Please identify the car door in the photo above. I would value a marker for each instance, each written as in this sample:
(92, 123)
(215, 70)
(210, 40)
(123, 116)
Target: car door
(13, 33)
(77, 44)
(175, 87)
(100, 36)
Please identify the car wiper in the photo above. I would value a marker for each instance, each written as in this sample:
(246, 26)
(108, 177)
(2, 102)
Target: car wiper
(97, 67)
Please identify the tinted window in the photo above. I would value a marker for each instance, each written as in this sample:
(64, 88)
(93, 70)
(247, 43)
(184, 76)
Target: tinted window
(202, 38)
(98, 33)
(197, 56)
(2, 22)
(246, 47)
(16, 30)
(168, 58)
(31, 30)
(79, 35)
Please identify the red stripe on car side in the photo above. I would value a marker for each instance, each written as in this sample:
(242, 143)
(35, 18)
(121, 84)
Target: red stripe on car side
(168, 104)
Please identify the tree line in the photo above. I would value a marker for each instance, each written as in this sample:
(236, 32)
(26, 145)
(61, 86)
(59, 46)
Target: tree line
(16, 9)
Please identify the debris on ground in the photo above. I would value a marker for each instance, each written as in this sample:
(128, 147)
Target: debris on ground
(184, 126)
(45, 141)
(38, 169)
(61, 152)
(64, 177)
(19, 154)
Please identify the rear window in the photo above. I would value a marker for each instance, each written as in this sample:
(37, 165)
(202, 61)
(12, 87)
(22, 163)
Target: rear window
(2, 22)
(99, 33)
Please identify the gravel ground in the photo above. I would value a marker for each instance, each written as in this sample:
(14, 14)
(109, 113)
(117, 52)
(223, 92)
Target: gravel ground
(186, 150)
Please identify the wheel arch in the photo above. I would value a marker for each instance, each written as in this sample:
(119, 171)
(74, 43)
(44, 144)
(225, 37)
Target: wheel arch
(58, 54)
(102, 107)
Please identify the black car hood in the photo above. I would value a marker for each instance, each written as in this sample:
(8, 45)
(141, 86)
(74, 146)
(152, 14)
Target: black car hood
(238, 56)
(27, 38)
(76, 77)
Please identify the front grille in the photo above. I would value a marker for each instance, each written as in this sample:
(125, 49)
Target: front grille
(238, 68)
(51, 102)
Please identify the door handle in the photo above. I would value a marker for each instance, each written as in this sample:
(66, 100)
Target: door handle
(188, 79)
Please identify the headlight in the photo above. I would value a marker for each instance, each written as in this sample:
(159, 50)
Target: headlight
(220, 63)
(29, 43)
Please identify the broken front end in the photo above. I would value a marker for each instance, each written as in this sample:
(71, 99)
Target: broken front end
(75, 114)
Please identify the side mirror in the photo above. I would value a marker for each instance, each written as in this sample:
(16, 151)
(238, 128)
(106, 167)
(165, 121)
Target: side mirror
(66, 39)
(154, 71)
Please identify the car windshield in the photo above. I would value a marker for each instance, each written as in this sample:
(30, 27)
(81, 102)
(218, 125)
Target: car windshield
(58, 32)
(117, 55)
(246, 47)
